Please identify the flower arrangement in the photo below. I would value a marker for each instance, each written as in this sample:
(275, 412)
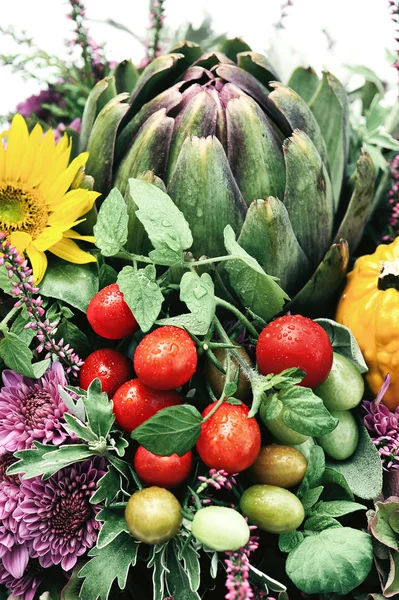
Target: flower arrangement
(182, 410)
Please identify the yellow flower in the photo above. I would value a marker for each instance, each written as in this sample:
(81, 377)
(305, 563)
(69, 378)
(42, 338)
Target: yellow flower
(37, 212)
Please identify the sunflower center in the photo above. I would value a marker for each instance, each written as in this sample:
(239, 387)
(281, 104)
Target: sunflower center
(22, 209)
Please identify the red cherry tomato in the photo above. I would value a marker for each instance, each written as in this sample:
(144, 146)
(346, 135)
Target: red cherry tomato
(295, 341)
(109, 315)
(163, 471)
(134, 403)
(109, 366)
(229, 440)
(166, 358)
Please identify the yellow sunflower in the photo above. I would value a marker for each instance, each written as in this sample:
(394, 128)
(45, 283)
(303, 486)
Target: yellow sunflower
(37, 212)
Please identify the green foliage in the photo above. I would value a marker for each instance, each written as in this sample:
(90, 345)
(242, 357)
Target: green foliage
(142, 294)
(111, 229)
(74, 284)
(344, 342)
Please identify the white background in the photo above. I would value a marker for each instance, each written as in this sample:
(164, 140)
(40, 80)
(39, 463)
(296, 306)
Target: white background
(361, 31)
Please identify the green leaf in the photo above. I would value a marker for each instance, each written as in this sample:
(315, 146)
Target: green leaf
(255, 289)
(165, 224)
(344, 342)
(336, 560)
(158, 564)
(108, 487)
(72, 588)
(106, 275)
(381, 526)
(47, 460)
(74, 284)
(107, 565)
(81, 430)
(118, 442)
(142, 294)
(191, 562)
(112, 222)
(114, 523)
(198, 294)
(335, 486)
(287, 542)
(264, 582)
(177, 580)
(17, 328)
(18, 357)
(5, 281)
(362, 470)
(98, 409)
(75, 407)
(336, 508)
(74, 337)
(310, 498)
(314, 472)
(172, 430)
(304, 412)
(273, 407)
(288, 377)
(320, 523)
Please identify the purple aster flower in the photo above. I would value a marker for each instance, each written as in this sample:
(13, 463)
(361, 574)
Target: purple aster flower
(31, 409)
(24, 587)
(34, 104)
(383, 426)
(56, 515)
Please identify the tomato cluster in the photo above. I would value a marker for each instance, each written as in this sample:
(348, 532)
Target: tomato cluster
(230, 439)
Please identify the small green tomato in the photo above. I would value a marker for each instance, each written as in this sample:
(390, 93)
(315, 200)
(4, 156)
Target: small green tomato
(342, 441)
(272, 508)
(220, 529)
(281, 431)
(344, 387)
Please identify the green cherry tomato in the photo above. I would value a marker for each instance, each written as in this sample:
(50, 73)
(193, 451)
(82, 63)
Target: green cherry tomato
(282, 466)
(216, 378)
(220, 529)
(344, 387)
(272, 508)
(281, 431)
(342, 441)
(153, 515)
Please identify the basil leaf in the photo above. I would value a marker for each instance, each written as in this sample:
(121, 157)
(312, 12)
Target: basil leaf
(314, 472)
(142, 294)
(107, 565)
(74, 284)
(112, 222)
(18, 357)
(336, 560)
(344, 342)
(320, 523)
(305, 412)
(272, 407)
(336, 508)
(289, 541)
(114, 523)
(164, 223)
(256, 289)
(173, 430)
(362, 470)
(98, 409)
(198, 294)
(74, 337)
(106, 276)
(310, 498)
(335, 486)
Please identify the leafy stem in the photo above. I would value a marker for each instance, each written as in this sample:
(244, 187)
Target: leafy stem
(223, 394)
(9, 316)
(247, 370)
(237, 313)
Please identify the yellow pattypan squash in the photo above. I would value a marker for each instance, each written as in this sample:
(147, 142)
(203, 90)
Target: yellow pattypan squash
(369, 306)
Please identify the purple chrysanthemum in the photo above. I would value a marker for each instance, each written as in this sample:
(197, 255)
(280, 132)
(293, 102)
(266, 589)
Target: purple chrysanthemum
(14, 552)
(31, 410)
(56, 515)
(25, 587)
(383, 426)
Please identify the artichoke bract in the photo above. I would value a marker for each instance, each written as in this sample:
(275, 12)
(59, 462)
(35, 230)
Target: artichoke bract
(235, 147)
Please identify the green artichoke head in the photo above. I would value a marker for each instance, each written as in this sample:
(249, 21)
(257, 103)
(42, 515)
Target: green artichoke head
(236, 147)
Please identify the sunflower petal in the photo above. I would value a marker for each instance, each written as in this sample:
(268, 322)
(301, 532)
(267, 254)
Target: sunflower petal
(68, 250)
(18, 137)
(46, 238)
(20, 240)
(30, 153)
(75, 204)
(55, 190)
(38, 261)
(74, 235)
(44, 160)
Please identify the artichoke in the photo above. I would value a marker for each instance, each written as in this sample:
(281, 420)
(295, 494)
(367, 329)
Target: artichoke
(234, 146)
